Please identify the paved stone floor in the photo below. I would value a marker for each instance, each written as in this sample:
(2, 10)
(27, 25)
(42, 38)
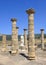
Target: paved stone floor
(7, 59)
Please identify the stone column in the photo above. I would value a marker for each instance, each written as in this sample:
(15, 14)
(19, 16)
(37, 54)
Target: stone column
(17, 38)
(14, 40)
(4, 42)
(42, 38)
(25, 39)
(31, 47)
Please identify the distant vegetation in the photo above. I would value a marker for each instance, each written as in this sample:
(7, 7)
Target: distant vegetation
(37, 36)
(9, 37)
(44, 35)
(0, 38)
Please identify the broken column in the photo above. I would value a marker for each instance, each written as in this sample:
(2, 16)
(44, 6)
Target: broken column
(31, 47)
(4, 42)
(14, 40)
(25, 39)
(42, 38)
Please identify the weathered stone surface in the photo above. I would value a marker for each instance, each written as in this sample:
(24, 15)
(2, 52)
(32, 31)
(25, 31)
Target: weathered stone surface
(14, 36)
(31, 49)
(17, 37)
(4, 43)
(25, 39)
(42, 38)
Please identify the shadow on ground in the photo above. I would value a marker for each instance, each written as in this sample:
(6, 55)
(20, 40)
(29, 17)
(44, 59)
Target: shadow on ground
(24, 55)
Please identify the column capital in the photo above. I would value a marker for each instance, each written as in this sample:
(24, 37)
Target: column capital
(30, 11)
(17, 27)
(25, 29)
(42, 29)
(13, 19)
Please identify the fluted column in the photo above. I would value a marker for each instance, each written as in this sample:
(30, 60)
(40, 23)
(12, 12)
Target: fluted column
(25, 39)
(42, 38)
(14, 40)
(4, 42)
(31, 47)
(17, 38)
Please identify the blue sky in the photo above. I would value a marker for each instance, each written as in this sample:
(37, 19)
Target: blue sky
(17, 9)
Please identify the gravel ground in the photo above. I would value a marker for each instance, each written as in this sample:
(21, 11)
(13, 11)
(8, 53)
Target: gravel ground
(7, 59)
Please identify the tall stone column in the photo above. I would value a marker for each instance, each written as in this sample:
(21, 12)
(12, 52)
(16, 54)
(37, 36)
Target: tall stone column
(31, 47)
(14, 38)
(17, 38)
(4, 42)
(25, 39)
(42, 38)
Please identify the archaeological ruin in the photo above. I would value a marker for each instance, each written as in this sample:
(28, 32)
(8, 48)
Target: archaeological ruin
(27, 43)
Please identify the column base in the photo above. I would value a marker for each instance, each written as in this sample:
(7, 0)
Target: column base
(31, 58)
(14, 52)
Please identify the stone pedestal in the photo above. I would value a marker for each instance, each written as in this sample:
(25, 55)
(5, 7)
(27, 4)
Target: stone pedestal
(25, 39)
(42, 38)
(4, 43)
(31, 47)
(14, 38)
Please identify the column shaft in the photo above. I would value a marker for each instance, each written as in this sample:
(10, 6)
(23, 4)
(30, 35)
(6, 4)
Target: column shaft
(4, 43)
(31, 47)
(14, 37)
(42, 38)
(25, 39)
(17, 38)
